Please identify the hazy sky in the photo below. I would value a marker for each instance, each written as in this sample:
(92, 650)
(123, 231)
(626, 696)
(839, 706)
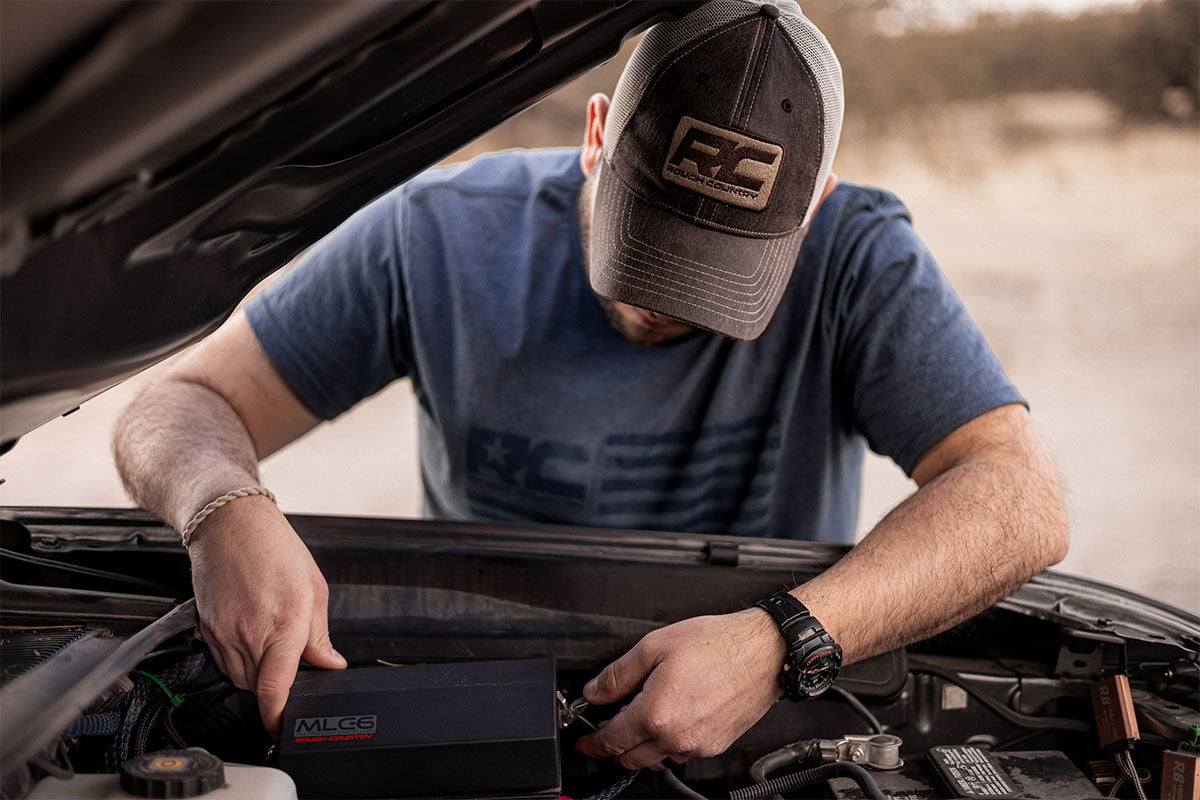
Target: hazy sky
(954, 12)
(1059, 6)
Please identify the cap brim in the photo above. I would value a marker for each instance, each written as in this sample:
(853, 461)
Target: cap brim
(650, 258)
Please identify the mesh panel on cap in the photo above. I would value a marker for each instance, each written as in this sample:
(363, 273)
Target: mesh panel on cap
(666, 38)
(828, 72)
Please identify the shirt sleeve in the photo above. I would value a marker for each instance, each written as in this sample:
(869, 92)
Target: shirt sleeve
(914, 366)
(334, 325)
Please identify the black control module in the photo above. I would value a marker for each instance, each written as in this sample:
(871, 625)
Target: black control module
(431, 730)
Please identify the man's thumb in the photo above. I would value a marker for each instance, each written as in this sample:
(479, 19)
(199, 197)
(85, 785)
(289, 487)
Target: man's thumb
(320, 653)
(621, 677)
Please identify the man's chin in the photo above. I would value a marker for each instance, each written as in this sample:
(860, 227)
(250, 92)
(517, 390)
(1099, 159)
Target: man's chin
(644, 337)
(652, 334)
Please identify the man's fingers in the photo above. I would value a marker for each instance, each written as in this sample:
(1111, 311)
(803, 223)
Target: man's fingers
(627, 729)
(218, 658)
(276, 674)
(621, 677)
(234, 669)
(250, 668)
(645, 755)
(623, 732)
(214, 646)
(319, 650)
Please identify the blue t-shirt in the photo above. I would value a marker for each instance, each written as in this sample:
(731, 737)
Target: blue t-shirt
(469, 281)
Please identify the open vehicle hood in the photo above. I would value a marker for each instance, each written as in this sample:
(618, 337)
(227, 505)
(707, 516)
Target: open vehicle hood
(165, 157)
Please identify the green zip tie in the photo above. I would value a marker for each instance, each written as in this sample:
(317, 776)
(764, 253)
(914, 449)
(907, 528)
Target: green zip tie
(176, 699)
(1195, 733)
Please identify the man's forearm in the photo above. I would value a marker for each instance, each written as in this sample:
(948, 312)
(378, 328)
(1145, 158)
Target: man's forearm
(967, 538)
(988, 515)
(180, 444)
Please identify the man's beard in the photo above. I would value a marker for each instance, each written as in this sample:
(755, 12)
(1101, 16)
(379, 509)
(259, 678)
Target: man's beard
(641, 336)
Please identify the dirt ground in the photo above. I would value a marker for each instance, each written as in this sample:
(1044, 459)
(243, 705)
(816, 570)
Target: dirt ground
(1076, 246)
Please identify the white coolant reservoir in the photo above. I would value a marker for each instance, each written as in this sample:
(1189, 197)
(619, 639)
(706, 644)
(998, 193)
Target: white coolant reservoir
(172, 774)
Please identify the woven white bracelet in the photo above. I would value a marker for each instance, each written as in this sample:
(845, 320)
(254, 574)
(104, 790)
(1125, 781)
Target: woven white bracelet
(203, 513)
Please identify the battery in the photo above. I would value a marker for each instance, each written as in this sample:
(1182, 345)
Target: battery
(478, 728)
(970, 771)
(967, 771)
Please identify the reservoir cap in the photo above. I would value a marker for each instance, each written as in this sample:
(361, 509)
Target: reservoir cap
(173, 773)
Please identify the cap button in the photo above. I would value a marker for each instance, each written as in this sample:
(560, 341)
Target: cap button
(769, 11)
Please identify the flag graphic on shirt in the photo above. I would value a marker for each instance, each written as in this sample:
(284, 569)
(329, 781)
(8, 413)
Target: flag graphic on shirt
(717, 479)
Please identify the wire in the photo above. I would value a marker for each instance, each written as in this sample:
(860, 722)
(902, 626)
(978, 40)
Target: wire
(62, 566)
(173, 732)
(858, 706)
(618, 787)
(998, 708)
(807, 777)
(1125, 762)
(681, 787)
(1012, 741)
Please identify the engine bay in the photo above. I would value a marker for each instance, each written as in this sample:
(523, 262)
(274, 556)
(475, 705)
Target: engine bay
(469, 647)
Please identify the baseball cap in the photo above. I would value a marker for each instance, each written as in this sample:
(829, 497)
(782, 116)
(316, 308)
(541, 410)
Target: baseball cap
(718, 142)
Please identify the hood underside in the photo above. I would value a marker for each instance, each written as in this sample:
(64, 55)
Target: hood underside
(160, 159)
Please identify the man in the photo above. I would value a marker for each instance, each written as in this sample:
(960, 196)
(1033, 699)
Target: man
(587, 335)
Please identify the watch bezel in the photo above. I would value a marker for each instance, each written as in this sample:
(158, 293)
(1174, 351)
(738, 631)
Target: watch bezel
(824, 652)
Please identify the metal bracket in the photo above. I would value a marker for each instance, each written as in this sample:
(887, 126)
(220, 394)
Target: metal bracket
(878, 750)
(1089, 655)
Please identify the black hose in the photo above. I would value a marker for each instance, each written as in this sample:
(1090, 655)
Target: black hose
(998, 708)
(772, 762)
(789, 755)
(858, 706)
(675, 783)
(807, 777)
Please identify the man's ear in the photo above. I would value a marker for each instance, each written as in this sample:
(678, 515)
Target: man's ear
(830, 184)
(593, 138)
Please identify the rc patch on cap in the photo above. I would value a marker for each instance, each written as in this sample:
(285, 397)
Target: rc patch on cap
(723, 164)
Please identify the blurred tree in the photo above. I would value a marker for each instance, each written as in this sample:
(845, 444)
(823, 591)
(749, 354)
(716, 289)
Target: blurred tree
(902, 56)
(1154, 70)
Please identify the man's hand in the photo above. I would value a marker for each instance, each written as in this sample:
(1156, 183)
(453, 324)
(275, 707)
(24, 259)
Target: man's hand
(262, 600)
(704, 682)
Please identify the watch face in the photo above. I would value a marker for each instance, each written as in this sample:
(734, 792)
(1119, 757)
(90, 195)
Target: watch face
(820, 670)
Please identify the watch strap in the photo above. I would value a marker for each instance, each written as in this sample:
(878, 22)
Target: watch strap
(803, 634)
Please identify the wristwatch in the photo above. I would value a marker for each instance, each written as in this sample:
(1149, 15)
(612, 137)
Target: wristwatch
(813, 657)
